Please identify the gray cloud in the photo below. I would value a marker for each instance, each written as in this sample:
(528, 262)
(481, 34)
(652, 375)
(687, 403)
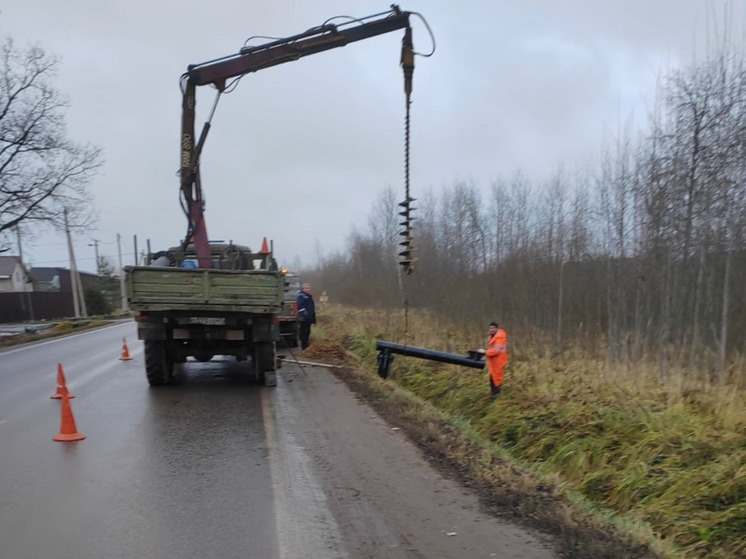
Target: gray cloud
(300, 152)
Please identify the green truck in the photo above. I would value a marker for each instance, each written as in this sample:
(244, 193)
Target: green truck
(204, 298)
(229, 309)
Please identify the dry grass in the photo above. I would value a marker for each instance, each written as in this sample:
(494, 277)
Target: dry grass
(330, 351)
(603, 455)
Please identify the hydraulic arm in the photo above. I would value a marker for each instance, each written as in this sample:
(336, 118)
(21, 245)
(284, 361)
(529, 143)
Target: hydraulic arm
(251, 59)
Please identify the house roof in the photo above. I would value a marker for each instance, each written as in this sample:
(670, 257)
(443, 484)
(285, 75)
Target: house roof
(8, 265)
(45, 274)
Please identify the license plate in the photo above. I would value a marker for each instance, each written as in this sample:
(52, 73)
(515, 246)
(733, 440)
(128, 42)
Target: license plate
(207, 320)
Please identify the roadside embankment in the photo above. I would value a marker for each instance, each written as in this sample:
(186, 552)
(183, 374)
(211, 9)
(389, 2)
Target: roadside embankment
(612, 459)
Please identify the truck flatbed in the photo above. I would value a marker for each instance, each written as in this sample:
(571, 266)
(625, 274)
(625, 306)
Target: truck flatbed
(153, 289)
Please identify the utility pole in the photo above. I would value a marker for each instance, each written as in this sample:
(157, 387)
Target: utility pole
(73, 270)
(81, 293)
(121, 274)
(95, 248)
(20, 248)
(26, 296)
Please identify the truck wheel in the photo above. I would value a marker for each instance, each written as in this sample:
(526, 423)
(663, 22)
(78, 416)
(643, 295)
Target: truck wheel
(264, 363)
(203, 358)
(159, 365)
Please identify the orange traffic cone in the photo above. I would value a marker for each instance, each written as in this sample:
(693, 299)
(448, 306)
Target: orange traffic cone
(125, 351)
(61, 385)
(265, 247)
(68, 430)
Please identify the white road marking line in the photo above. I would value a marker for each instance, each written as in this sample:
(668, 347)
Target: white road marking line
(299, 499)
(61, 338)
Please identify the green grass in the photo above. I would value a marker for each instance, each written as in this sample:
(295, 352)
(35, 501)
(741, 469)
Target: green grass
(662, 458)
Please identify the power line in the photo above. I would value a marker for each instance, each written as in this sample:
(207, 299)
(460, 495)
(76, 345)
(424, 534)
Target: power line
(50, 262)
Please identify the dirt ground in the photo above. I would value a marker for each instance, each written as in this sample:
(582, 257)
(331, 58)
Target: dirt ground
(353, 485)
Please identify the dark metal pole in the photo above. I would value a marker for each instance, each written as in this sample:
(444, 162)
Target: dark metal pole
(385, 349)
(384, 362)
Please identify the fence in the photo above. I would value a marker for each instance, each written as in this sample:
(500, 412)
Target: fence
(34, 305)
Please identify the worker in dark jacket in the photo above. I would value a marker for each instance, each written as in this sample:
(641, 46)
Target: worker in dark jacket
(306, 315)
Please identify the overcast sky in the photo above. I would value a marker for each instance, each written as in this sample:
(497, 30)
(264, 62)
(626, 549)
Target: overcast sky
(299, 152)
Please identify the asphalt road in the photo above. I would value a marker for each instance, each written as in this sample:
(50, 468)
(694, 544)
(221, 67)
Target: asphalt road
(217, 466)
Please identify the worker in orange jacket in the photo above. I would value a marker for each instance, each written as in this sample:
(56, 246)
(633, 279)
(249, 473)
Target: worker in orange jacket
(497, 357)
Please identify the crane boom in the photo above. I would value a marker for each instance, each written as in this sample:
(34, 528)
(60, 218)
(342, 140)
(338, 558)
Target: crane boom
(251, 59)
(313, 41)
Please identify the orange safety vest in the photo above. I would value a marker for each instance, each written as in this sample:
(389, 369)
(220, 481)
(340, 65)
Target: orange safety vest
(497, 356)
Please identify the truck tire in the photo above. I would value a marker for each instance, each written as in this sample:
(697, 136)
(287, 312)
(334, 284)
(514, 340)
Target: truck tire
(264, 363)
(159, 365)
(203, 358)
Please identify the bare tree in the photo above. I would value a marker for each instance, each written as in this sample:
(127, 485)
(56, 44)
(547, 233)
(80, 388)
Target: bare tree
(615, 207)
(383, 223)
(556, 242)
(643, 254)
(42, 171)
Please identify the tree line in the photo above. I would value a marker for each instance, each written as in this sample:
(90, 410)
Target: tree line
(644, 252)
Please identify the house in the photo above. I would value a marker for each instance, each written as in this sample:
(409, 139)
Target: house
(14, 277)
(47, 280)
(55, 287)
(37, 294)
(60, 279)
